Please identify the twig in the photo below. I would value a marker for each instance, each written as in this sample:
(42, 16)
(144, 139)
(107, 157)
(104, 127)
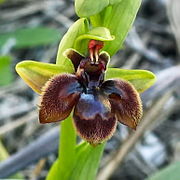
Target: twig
(15, 124)
(37, 170)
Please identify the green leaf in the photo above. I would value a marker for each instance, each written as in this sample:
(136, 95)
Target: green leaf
(118, 18)
(31, 37)
(86, 8)
(5, 70)
(36, 74)
(53, 172)
(80, 164)
(87, 161)
(98, 33)
(171, 172)
(141, 79)
(78, 28)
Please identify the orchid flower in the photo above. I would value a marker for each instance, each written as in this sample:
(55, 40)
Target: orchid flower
(98, 103)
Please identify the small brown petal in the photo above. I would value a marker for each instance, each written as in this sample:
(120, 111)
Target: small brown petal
(125, 101)
(59, 96)
(74, 56)
(104, 57)
(93, 118)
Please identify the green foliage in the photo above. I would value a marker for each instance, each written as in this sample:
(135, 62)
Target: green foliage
(141, 79)
(3, 152)
(78, 28)
(116, 15)
(118, 18)
(2, 1)
(171, 172)
(30, 37)
(83, 160)
(86, 8)
(87, 161)
(5, 70)
(75, 162)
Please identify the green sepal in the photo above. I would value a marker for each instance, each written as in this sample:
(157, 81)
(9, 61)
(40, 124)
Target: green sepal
(141, 79)
(97, 33)
(36, 74)
(80, 27)
(118, 18)
(86, 8)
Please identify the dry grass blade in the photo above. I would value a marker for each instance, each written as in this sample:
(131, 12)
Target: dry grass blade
(15, 124)
(36, 172)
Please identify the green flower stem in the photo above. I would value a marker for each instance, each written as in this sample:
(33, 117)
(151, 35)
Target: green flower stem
(66, 158)
(67, 147)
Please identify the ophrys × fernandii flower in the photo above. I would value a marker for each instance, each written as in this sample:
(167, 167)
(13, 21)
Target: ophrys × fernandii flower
(98, 104)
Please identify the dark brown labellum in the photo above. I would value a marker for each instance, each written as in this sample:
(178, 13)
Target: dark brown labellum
(93, 118)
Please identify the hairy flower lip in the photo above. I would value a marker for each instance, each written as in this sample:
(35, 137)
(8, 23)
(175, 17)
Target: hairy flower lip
(95, 131)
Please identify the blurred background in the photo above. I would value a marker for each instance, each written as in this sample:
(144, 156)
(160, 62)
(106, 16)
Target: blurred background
(31, 30)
